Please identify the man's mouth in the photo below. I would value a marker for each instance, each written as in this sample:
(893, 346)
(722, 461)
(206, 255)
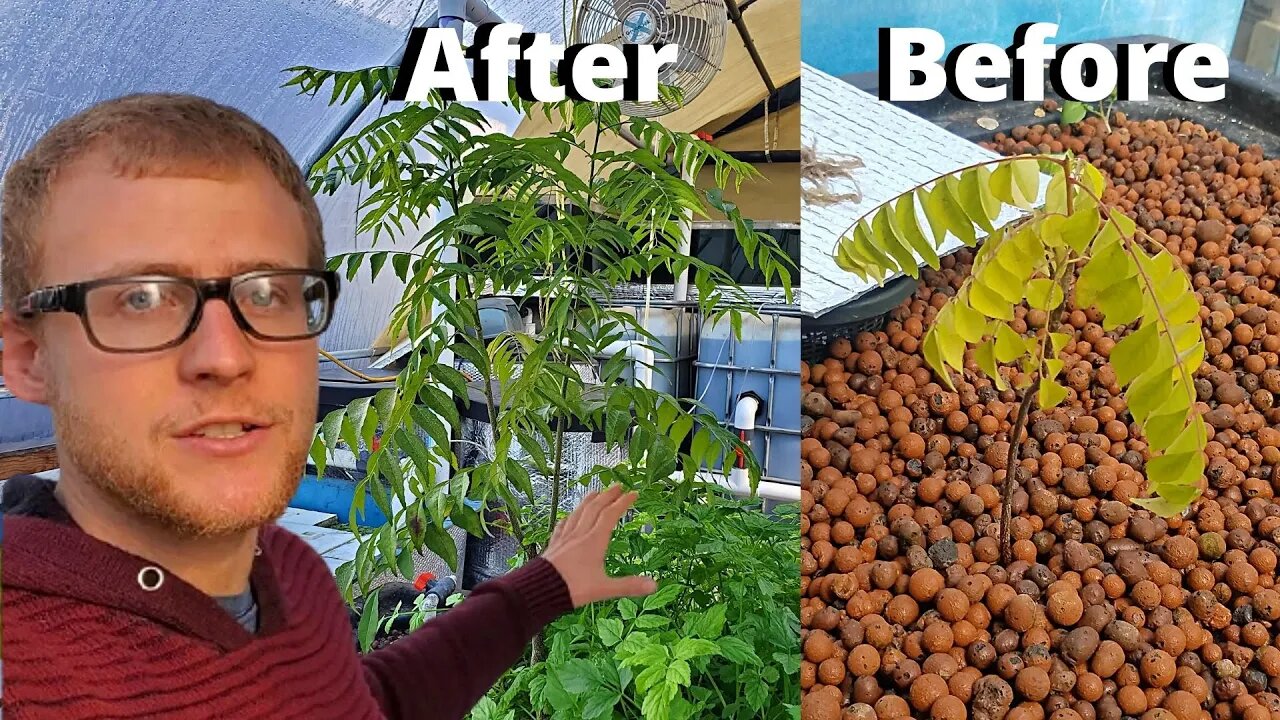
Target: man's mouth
(226, 430)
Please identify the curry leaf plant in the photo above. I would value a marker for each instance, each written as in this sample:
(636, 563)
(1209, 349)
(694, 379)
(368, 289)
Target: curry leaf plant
(717, 640)
(618, 223)
(1073, 247)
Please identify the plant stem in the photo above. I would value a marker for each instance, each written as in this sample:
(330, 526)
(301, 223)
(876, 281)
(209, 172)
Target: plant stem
(1024, 407)
(1011, 473)
(555, 479)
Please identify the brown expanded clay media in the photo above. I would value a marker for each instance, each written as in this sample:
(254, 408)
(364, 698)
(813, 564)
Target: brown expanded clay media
(1107, 611)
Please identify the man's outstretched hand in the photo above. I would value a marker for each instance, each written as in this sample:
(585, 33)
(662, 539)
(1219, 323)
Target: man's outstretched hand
(580, 542)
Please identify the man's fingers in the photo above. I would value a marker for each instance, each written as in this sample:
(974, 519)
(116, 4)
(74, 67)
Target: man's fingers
(609, 516)
(631, 586)
(571, 522)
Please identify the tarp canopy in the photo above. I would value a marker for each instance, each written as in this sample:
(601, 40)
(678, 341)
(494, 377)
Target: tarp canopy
(737, 89)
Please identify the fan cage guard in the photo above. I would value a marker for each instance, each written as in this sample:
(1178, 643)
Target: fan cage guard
(696, 26)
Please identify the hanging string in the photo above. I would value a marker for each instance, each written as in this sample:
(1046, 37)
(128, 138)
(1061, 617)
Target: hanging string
(816, 174)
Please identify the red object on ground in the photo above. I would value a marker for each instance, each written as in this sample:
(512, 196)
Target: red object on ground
(81, 645)
(423, 580)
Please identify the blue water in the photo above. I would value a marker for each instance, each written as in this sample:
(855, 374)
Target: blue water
(840, 37)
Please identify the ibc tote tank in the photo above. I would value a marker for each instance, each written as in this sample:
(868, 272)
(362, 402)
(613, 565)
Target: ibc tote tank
(766, 361)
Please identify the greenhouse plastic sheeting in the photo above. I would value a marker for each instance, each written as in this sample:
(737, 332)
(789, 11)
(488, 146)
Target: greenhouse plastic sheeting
(62, 57)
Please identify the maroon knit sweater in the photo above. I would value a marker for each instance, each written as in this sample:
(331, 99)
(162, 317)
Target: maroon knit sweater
(83, 640)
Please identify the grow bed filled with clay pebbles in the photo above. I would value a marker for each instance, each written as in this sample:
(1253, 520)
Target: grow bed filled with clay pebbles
(1106, 611)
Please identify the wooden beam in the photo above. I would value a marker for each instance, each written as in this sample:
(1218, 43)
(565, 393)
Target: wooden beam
(28, 460)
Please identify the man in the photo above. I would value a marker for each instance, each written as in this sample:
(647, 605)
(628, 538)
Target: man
(163, 288)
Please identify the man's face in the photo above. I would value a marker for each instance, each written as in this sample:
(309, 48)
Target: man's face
(125, 421)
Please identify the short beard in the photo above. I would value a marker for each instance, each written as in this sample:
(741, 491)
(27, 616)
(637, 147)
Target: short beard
(137, 483)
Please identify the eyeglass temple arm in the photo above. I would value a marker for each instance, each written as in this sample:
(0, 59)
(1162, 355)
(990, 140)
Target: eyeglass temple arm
(43, 300)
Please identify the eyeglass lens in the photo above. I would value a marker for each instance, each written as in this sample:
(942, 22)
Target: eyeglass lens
(134, 315)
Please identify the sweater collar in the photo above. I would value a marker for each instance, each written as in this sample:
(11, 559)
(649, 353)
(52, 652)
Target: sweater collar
(45, 552)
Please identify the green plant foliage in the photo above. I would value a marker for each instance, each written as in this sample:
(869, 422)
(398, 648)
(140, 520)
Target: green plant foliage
(416, 158)
(1033, 262)
(718, 639)
(1073, 111)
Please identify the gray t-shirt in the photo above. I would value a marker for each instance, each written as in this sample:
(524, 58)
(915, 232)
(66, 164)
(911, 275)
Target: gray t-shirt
(243, 608)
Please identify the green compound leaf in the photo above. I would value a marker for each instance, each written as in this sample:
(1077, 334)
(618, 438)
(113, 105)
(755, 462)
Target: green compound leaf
(1073, 111)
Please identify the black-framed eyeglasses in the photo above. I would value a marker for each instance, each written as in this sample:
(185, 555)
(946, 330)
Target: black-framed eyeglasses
(145, 313)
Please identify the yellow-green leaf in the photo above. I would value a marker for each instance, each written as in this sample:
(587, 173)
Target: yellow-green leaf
(909, 224)
(1134, 354)
(891, 241)
(865, 242)
(989, 303)
(1169, 475)
(1005, 282)
(1184, 309)
(1011, 258)
(1050, 393)
(933, 213)
(1146, 394)
(1057, 341)
(845, 259)
(1027, 245)
(1044, 294)
(969, 323)
(1191, 439)
(952, 347)
(1093, 179)
(1051, 230)
(1174, 500)
(933, 355)
(1055, 195)
(1009, 344)
(1079, 228)
(1163, 428)
(1052, 366)
(985, 355)
(1108, 266)
(1120, 304)
(1002, 186)
(1026, 179)
(972, 194)
(944, 203)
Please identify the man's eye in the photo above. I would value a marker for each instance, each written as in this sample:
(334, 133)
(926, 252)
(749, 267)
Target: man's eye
(144, 297)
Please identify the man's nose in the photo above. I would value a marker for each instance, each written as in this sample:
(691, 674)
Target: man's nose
(218, 348)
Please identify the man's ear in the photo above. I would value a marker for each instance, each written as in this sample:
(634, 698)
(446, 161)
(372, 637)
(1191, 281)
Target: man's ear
(23, 366)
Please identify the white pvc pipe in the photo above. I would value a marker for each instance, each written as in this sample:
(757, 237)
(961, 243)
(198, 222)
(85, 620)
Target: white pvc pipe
(637, 351)
(738, 480)
(765, 489)
(680, 292)
(744, 413)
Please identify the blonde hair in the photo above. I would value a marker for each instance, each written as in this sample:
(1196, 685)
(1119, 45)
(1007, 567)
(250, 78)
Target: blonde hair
(142, 135)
